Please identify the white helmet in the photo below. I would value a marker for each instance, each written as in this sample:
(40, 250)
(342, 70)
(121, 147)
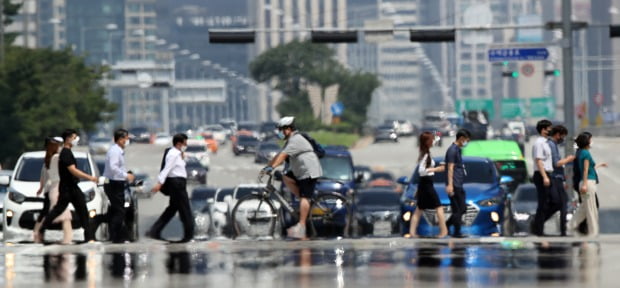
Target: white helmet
(288, 121)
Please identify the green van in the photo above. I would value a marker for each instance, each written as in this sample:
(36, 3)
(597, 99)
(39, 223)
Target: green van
(506, 155)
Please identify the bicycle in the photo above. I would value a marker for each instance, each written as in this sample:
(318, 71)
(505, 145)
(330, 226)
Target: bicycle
(259, 208)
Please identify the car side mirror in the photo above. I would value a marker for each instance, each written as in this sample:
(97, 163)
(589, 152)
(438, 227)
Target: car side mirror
(277, 175)
(403, 180)
(505, 180)
(5, 180)
(359, 178)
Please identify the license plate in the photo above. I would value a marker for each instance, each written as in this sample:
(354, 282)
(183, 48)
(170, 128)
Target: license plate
(382, 228)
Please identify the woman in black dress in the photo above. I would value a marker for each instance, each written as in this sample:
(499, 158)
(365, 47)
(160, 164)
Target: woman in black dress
(426, 196)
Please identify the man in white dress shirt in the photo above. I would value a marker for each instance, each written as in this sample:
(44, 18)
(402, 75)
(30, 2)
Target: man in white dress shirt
(117, 176)
(543, 168)
(173, 178)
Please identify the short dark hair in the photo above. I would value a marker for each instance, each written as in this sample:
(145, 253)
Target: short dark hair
(543, 124)
(120, 133)
(583, 140)
(463, 133)
(558, 129)
(67, 133)
(178, 138)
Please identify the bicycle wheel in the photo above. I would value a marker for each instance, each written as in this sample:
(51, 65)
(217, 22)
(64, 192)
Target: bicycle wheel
(253, 216)
(328, 215)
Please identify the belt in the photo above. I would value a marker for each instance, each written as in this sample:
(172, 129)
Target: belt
(176, 178)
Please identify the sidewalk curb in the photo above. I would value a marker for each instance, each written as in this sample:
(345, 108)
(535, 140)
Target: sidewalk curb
(363, 142)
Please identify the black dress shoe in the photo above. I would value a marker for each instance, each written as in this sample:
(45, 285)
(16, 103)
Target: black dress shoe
(153, 236)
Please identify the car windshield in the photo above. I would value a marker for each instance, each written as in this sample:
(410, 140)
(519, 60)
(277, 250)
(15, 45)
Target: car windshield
(379, 198)
(203, 193)
(247, 139)
(526, 194)
(222, 193)
(271, 146)
(195, 148)
(386, 176)
(476, 172)
(244, 191)
(338, 168)
(29, 168)
(192, 162)
(248, 127)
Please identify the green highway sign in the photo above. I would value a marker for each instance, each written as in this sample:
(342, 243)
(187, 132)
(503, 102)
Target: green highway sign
(512, 108)
(476, 104)
(543, 107)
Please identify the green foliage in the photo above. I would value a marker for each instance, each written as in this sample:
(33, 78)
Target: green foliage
(43, 92)
(293, 65)
(10, 10)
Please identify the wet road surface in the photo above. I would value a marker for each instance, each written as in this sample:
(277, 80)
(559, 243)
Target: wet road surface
(385, 262)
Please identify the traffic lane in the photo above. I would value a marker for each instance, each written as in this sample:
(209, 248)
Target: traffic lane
(387, 262)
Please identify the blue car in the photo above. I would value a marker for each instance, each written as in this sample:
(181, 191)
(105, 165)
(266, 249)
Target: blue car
(486, 198)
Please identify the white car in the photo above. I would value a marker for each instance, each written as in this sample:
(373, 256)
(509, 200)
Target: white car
(163, 139)
(22, 206)
(219, 133)
(198, 148)
(100, 145)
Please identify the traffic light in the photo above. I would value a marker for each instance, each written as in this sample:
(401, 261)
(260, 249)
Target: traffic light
(345, 36)
(614, 31)
(513, 74)
(554, 72)
(237, 37)
(435, 35)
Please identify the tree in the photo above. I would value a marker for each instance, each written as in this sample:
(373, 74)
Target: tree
(295, 64)
(43, 92)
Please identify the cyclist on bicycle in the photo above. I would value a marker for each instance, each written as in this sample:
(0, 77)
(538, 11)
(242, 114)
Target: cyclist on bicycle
(304, 171)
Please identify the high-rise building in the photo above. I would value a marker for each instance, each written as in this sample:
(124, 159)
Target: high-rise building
(140, 29)
(25, 24)
(52, 20)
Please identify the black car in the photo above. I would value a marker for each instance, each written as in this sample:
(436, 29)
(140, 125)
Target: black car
(377, 211)
(522, 207)
(266, 151)
(199, 196)
(196, 173)
(245, 144)
(385, 133)
(139, 135)
(268, 130)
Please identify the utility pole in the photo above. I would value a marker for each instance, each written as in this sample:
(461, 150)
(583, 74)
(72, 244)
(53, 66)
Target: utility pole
(567, 66)
(1, 33)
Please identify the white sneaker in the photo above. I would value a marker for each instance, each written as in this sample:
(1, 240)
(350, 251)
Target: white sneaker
(298, 231)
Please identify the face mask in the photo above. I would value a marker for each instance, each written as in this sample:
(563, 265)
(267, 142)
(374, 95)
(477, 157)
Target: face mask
(281, 135)
(561, 140)
(465, 143)
(591, 144)
(75, 141)
(183, 148)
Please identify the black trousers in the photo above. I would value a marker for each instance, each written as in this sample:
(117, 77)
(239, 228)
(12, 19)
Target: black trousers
(46, 207)
(543, 195)
(557, 202)
(70, 193)
(458, 207)
(179, 201)
(115, 190)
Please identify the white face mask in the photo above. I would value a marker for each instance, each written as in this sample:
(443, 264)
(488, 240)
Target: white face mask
(75, 141)
(183, 148)
(465, 143)
(591, 144)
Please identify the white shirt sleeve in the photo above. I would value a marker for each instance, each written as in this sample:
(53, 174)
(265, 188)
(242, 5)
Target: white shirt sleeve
(171, 158)
(422, 170)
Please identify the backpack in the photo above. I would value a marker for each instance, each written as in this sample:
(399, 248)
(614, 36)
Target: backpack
(576, 171)
(318, 149)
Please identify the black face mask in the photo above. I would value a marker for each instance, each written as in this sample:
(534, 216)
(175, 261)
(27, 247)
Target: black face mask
(560, 141)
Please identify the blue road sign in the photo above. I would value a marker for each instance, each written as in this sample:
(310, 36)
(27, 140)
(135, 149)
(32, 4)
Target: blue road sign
(337, 108)
(518, 54)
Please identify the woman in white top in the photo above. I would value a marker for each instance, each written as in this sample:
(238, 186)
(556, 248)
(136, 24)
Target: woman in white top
(426, 196)
(49, 185)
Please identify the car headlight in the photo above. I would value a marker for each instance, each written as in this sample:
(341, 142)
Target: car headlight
(407, 216)
(17, 197)
(194, 172)
(240, 147)
(521, 216)
(90, 194)
(490, 202)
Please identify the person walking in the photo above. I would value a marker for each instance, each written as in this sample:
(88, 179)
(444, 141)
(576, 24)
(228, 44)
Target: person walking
(587, 187)
(305, 169)
(454, 181)
(426, 196)
(117, 177)
(68, 190)
(558, 198)
(49, 186)
(173, 180)
(543, 168)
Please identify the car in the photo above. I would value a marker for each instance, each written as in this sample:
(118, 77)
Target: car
(266, 151)
(486, 199)
(202, 199)
(507, 157)
(377, 211)
(221, 211)
(5, 180)
(522, 209)
(99, 145)
(139, 135)
(197, 148)
(163, 139)
(196, 172)
(22, 206)
(508, 133)
(477, 123)
(268, 130)
(245, 144)
(219, 133)
(405, 128)
(383, 179)
(385, 133)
